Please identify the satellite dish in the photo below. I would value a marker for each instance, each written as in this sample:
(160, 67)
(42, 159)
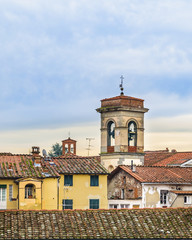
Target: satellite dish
(44, 153)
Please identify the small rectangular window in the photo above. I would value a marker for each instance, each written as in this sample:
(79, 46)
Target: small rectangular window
(122, 193)
(67, 204)
(94, 180)
(187, 199)
(94, 203)
(113, 206)
(163, 196)
(124, 205)
(10, 192)
(68, 180)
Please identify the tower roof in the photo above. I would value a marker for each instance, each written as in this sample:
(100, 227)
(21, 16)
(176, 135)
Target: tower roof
(117, 102)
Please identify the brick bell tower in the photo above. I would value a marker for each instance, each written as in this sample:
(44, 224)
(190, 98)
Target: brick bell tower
(122, 130)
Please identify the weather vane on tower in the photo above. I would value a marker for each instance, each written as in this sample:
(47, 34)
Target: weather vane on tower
(121, 85)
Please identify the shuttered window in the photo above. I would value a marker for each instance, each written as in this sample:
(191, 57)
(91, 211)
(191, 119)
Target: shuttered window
(94, 180)
(10, 192)
(68, 180)
(94, 203)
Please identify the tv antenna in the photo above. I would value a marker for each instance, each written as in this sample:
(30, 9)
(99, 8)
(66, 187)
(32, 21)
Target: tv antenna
(121, 85)
(89, 144)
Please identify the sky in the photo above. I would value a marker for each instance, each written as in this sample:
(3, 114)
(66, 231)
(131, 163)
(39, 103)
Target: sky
(60, 58)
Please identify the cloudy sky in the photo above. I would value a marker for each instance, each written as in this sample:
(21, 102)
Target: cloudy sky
(60, 58)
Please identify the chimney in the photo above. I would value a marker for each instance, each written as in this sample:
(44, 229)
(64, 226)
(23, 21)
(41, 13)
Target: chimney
(35, 151)
(69, 146)
(133, 167)
(37, 158)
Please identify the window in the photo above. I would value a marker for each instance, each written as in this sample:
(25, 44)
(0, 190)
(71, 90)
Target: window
(187, 200)
(67, 204)
(124, 180)
(72, 148)
(68, 180)
(66, 148)
(132, 134)
(10, 192)
(113, 206)
(29, 191)
(163, 196)
(94, 203)
(111, 134)
(122, 193)
(3, 189)
(94, 180)
(124, 205)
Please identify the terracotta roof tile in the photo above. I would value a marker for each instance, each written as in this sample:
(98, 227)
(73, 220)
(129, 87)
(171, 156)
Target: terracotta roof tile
(73, 164)
(154, 174)
(153, 157)
(177, 159)
(97, 224)
(21, 166)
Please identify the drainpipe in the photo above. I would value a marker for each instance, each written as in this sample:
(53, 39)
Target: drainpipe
(18, 196)
(41, 194)
(58, 193)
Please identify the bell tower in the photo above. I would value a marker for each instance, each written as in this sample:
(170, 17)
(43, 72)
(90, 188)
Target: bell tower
(122, 130)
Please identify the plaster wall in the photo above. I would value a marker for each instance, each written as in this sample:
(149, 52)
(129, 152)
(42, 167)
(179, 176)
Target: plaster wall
(30, 203)
(11, 204)
(131, 203)
(121, 159)
(50, 193)
(151, 195)
(81, 191)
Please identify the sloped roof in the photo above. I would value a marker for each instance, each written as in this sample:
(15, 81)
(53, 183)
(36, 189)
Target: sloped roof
(177, 158)
(153, 157)
(122, 97)
(73, 164)
(154, 174)
(21, 166)
(97, 224)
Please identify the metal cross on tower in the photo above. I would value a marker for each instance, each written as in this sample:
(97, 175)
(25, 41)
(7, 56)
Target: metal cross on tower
(121, 85)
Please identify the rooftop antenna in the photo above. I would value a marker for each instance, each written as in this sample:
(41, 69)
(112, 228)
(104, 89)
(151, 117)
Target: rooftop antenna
(69, 134)
(121, 85)
(89, 144)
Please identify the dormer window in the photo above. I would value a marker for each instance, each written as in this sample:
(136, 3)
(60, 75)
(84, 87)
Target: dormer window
(132, 134)
(111, 133)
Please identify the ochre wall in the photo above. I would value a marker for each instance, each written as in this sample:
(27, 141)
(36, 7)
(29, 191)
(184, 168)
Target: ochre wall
(11, 204)
(81, 191)
(50, 193)
(32, 203)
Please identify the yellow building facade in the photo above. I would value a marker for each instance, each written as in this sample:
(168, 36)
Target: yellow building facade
(31, 183)
(80, 194)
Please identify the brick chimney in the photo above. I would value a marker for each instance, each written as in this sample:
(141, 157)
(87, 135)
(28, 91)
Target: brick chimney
(69, 146)
(37, 158)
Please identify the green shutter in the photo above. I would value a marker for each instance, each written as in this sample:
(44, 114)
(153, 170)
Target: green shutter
(94, 180)
(68, 180)
(94, 204)
(3, 186)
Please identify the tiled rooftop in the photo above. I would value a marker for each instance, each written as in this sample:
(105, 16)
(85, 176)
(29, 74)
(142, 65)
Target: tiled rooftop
(97, 224)
(175, 159)
(158, 174)
(153, 157)
(21, 166)
(79, 165)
